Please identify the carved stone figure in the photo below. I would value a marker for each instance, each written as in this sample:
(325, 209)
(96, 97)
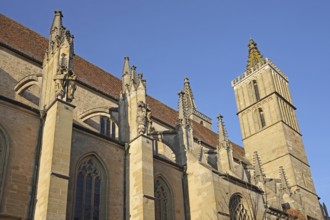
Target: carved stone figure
(150, 128)
(141, 117)
(59, 89)
(71, 87)
(65, 85)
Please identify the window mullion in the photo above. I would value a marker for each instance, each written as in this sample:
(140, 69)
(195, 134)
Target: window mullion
(83, 198)
(92, 200)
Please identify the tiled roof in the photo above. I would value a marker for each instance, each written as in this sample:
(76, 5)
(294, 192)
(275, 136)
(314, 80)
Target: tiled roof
(26, 41)
(211, 139)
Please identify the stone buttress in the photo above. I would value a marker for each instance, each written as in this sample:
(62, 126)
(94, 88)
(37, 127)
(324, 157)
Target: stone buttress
(58, 87)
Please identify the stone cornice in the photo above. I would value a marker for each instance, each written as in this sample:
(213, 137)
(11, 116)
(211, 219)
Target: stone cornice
(255, 71)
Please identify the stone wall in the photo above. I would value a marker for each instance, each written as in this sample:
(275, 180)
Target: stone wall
(21, 127)
(111, 155)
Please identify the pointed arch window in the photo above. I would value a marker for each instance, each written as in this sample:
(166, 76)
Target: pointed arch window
(237, 209)
(262, 117)
(89, 192)
(3, 159)
(163, 200)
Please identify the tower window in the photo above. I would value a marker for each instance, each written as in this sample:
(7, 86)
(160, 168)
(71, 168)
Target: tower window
(262, 117)
(256, 89)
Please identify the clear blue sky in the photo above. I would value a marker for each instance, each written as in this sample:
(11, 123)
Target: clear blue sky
(206, 41)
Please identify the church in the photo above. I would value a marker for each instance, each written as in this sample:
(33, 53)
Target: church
(78, 143)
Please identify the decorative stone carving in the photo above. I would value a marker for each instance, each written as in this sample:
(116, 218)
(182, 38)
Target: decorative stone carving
(150, 128)
(141, 117)
(65, 85)
(89, 167)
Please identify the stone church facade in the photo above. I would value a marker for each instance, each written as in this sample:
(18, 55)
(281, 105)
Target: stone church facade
(78, 143)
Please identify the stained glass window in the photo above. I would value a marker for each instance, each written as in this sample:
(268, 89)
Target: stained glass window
(88, 190)
(163, 200)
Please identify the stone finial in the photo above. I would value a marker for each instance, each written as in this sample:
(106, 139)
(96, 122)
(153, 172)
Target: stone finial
(126, 68)
(133, 72)
(254, 58)
(182, 114)
(188, 97)
(258, 172)
(325, 210)
(57, 21)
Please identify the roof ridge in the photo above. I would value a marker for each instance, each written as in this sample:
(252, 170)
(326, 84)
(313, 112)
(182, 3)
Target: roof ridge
(86, 70)
(17, 23)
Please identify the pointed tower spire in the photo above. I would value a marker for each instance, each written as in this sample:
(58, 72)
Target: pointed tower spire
(255, 58)
(258, 172)
(189, 98)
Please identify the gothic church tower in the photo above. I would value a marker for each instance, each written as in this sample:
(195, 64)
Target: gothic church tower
(269, 128)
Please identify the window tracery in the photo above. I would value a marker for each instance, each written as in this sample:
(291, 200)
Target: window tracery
(163, 200)
(89, 183)
(237, 209)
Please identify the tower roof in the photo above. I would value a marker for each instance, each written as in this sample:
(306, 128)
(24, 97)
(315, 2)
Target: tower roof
(32, 45)
(254, 57)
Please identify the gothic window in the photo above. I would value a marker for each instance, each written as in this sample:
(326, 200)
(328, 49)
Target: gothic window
(3, 159)
(256, 90)
(89, 192)
(262, 118)
(237, 209)
(163, 200)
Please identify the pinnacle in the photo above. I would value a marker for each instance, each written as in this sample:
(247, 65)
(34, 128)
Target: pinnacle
(126, 68)
(57, 21)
